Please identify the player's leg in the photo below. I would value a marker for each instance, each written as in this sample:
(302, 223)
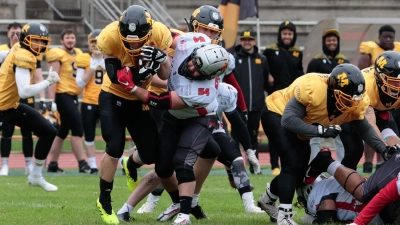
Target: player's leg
(27, 117)
(113, 132)
(90, 115)
(230, 156)
(353, 146)
(189, 148)
(27, 141)
(7, 132)
(62, 133)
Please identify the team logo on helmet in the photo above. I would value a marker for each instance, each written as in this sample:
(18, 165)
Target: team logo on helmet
(132, 27)
(360, 88)
(215, 16)
(42, 28)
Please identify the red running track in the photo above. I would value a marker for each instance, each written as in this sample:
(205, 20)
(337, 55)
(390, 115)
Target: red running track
(68, 161)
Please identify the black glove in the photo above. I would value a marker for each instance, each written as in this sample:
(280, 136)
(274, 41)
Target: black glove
(42, 107)
(146, 71)
(244, 115)
(389, 151)
(328, 132)
(153, 54)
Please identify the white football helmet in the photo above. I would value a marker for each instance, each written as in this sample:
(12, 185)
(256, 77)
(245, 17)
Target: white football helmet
(210, 61)
(304, 191)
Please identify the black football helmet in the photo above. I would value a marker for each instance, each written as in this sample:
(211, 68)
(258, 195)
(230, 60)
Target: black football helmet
(31, 35)
(387, 73)
(207, 17)
(135, 25)
(348, 86)
(92, 41)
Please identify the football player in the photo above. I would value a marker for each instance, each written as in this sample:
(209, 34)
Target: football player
(16, 75)
(192, 104)
(314, 105)
(369, 51)
(123, 43)
(325, 201)
(363, 190)
(89, 76)
(65, 101)
(14, 32)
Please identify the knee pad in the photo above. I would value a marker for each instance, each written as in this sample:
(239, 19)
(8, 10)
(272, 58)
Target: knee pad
(387, 133)
(89, 143)
(237, 163)
(115, 154)
(210, 151)
(163, 172)
(185, 175)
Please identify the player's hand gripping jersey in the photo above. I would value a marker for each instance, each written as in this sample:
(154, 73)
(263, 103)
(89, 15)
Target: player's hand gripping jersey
(199, 95)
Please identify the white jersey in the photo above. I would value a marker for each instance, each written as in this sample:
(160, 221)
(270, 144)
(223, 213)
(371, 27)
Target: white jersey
(199, 95)
(227, 97)
(231, 67)
(347, 206)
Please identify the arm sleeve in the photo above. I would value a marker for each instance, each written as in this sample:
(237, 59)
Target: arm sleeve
(313, 66)
(230, 79)
(240, 128)
(79, 74)
(368, 134)
(385, 196)
(23, 80)
(3, 55)
(292, 119)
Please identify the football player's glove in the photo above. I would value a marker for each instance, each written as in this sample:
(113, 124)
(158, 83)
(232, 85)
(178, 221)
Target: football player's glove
(53, 77)
(124, 76)
(328, 132)
(146, 71)
(389, 151)
(150, 53)
(53, 106)
(42, 107)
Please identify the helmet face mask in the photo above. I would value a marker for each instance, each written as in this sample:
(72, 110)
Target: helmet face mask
(209, 61)
(92, 41)
(304, 191)
(347, 84)
(207, 17)
(135, 26)
(35, 38)
(387, 73)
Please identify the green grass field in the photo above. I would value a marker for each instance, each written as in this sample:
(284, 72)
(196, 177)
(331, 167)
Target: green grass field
(74, 202)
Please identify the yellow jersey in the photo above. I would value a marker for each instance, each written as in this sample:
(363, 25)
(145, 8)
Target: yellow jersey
(311, 91)
(18, 57)
(93, 87)
(67, 83)
(109, 43)
(373, 49)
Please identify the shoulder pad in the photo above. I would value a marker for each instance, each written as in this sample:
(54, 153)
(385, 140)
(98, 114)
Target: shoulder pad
(366, 47)
(25, 59)
(54, 54)
(160, 36)
(82, 60)
(4, 47)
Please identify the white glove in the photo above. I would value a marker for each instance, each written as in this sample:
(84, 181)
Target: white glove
(94, 63)
(307, 219)
(53, 106)
(53, 76)
(251, 156)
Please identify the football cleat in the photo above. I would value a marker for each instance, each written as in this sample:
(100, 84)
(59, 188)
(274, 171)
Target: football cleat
(130, 182)
(170, 212)
(84, 168)
(150, 204)
(94, 171)
(41, 182)
(248, 202)
(266, 203)
(125, 217)
(198, 212)
(318, 165)
(53, 168)
(285, 217)
(181, 221)
(276, 172)
(107, 214)
(4, 171)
